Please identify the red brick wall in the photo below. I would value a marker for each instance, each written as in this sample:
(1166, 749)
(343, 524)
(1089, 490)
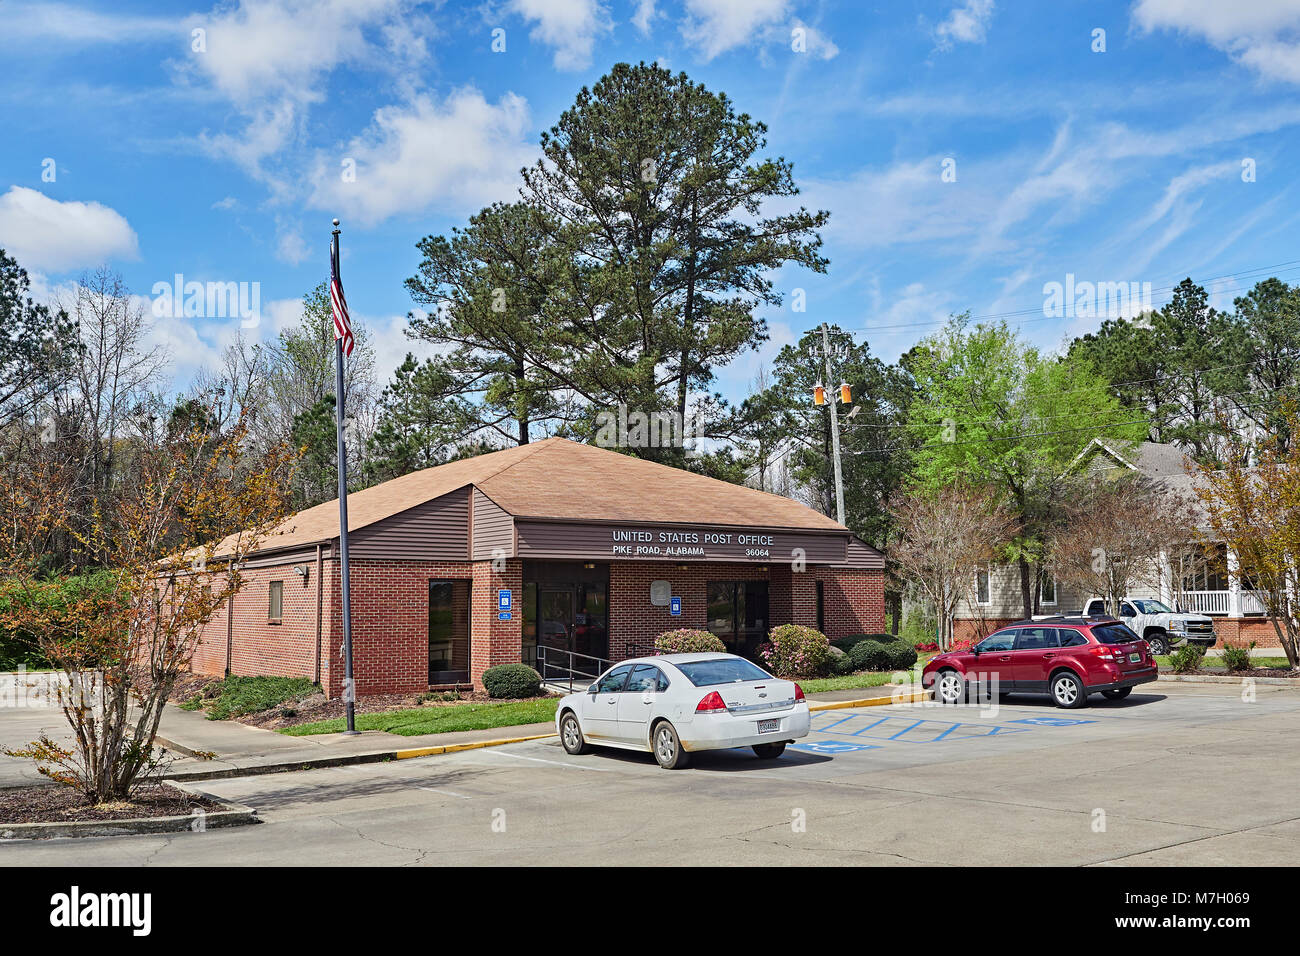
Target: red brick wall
(390, 616)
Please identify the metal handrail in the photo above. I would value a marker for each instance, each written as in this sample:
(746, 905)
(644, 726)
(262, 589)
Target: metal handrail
(570, 673)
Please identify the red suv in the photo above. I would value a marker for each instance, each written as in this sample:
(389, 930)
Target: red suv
(1066, 657)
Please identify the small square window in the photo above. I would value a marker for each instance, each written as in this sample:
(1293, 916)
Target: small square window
(275, 603)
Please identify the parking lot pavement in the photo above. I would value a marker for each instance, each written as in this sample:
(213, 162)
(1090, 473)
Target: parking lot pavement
(1179, 775)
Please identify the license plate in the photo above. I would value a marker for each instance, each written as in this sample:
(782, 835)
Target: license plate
(769, 726)
(1134, 658)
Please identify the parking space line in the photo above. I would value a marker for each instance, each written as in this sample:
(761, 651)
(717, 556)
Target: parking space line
(449, 793)
(557, 763)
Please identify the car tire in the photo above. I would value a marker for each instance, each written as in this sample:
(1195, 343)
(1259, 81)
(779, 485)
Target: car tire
(667, 747)
(949, 687)
(1159, 645)
(769, 751)
(571, 735)
(1117, 693)
(1067, 690)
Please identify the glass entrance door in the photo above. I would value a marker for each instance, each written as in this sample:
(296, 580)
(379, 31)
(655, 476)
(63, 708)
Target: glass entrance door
(555, 625)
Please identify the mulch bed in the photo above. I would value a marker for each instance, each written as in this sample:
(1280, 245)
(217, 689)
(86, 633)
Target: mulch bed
(1252, 672)
(316, 707)
(59, 804)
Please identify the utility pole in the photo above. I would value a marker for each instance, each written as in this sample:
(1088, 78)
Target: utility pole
(835, 428)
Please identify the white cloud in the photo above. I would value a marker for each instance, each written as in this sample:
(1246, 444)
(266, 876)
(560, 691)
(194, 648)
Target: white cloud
(716, 26)
(816, 42)
(46, 235)
(570, 26)
(80, 26)
(291, 247)
(455, 155)
(1263, 35)
(965, 24)
(644, 16)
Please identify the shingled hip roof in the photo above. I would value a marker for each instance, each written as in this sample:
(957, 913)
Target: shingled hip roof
(562, 480)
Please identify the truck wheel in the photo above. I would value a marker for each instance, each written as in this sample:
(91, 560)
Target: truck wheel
(1159, 644)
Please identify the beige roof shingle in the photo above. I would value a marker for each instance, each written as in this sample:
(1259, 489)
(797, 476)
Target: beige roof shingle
(561, 479)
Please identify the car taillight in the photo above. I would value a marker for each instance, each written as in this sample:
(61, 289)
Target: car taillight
(798, 692)
(713, 702)
(1103, 652)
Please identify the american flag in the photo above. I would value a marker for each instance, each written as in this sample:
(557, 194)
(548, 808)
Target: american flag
(338, 304)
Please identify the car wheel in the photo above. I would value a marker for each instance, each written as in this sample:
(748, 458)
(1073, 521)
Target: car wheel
(949, 688)
(1118, 693)
(1158, 644)
(769, 751)
(571, 736)
(1068, 691)
(668, 747)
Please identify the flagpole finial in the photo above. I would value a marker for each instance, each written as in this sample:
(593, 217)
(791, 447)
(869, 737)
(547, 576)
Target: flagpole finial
(336, 222)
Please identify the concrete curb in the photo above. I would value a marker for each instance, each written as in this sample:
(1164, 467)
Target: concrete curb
(471, 745)
(234, 815)
(1226, 679)
(914, 697)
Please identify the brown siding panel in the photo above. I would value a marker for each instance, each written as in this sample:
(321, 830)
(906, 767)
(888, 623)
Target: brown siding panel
(552, 539)
(493, 528)
(436, 530)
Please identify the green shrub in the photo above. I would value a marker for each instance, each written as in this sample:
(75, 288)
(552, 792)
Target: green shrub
(840, 663)
(54, 596)
(847, 644)
(871, 656)
(1187, 658)
(1236, 657)
(796, 651)
(236, 696)
(512, 681)
(901, 656)
(687, 641)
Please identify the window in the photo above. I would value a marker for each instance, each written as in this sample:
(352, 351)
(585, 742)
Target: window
(821, 607)
(1096, 608)
(1036, 638)
(1153, 607)
(983, 587)
(1114, 634)
(646, 679)
(1070, 637)
(737, 613)
(613, 682)
(722, 670)
(1126, 610)
(1047, 590)
(275, 603)
(1000, 641)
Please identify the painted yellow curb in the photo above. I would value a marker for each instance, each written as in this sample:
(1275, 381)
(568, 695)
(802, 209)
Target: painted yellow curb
(915, 697)
(472, 745)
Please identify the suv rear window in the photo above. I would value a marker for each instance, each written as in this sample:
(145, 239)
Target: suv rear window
(722, 670)
(1113, 634)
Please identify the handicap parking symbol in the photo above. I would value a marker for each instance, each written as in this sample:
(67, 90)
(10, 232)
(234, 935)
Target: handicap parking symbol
(832, 746)
(1052, 721)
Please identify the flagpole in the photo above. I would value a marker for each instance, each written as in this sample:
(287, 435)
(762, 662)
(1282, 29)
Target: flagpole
(349, 686)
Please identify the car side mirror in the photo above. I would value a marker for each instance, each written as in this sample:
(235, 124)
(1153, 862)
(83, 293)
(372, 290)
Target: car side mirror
(592, 690)
(975, 649)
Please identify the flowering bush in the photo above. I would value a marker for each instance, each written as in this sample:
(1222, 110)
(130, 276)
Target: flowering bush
(686, 641)
(926, 645)
(795, 651)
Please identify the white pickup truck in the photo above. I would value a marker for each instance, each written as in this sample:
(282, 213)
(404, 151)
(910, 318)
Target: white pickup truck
(1162, 627)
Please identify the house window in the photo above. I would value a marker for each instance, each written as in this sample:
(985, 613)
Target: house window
(1047, 590)
(983, 587)
(275, 603)
(821, 606)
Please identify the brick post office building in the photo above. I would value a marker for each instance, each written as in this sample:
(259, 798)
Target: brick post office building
(554, 550)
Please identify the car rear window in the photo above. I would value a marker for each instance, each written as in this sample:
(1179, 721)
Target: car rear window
(721, 670)
(1113, 634)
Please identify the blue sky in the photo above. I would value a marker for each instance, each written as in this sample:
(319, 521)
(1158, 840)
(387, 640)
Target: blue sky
(224, 163)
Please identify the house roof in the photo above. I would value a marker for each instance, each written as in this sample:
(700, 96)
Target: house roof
(1153, 459)
(564, 480)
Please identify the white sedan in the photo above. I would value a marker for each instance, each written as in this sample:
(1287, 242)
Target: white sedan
(675, 704)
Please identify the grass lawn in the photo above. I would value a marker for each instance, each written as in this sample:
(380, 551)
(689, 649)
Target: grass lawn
(440, 720)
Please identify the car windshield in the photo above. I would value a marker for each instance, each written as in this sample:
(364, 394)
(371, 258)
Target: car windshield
(721, 670)
(1151, 607)
(1113, 634)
